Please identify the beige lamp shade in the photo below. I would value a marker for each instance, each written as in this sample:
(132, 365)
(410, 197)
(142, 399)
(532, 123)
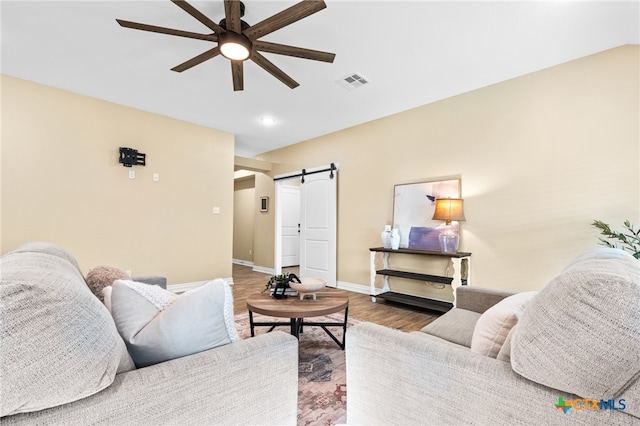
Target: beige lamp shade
(449, 209)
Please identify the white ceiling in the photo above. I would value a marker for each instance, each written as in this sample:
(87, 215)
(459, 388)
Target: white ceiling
(413, 52)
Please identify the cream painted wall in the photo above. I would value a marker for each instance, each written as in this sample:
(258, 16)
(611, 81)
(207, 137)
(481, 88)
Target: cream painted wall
(61, 182)
(540, 157)
(244, 205)
(264, 229)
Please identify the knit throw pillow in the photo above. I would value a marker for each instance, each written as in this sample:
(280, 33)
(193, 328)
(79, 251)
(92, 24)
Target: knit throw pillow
(158, 325)
(581, 334)
(104, 276)
(58, 343)
(494, 325)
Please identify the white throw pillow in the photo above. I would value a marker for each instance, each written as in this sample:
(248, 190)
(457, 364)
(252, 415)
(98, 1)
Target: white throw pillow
(494, 324)
(158, 325)
(106, 297)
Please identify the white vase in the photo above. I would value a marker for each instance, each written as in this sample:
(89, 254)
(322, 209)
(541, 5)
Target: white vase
(385, 235)
(395, 239)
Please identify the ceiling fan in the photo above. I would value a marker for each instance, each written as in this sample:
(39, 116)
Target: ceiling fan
(239, 41)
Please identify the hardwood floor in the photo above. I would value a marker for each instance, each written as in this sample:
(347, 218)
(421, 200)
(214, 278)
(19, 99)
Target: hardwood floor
(401, 317)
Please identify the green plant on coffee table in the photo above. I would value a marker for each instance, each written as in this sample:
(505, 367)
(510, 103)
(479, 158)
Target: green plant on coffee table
(628, 240)
(276, 279)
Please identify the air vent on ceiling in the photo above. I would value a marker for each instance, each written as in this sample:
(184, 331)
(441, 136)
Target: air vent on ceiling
(353, 81)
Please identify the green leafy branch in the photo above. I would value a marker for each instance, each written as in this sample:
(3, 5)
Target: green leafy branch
(629, 241)
(276, 279)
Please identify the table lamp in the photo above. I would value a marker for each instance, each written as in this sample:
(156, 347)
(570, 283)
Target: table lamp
(449, 209)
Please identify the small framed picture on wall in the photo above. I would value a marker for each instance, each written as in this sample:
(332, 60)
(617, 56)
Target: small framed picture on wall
(264, 204)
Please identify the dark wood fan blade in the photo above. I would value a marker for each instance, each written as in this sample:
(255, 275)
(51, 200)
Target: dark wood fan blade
(232, 15)
(237, 74)
(211, 53)
(273, 70)
(298, 52)
(282, 19)
(163, 30)
(198, 15)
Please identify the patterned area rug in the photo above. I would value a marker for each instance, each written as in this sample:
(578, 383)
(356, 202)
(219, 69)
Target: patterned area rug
(322, 389)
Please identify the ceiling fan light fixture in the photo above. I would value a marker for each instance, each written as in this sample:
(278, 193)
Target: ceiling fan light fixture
(233, 46)
(238, 41)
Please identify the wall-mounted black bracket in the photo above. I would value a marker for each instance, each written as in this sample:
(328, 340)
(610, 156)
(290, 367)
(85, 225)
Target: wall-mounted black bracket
(131, 157)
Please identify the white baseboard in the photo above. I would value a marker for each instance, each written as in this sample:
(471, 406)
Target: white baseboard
(180, 288)
(342, 285)
(264, 270)
(242, 262)
(356, 288)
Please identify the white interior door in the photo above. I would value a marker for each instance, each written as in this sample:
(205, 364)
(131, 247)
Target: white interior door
(290, 226)
(318, 226)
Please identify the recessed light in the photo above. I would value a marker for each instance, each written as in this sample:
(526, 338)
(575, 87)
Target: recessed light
(268, 121)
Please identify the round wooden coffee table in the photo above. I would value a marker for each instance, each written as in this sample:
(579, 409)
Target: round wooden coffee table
(297, 310)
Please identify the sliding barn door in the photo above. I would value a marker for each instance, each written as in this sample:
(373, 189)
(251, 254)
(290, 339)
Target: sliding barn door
(318, 226)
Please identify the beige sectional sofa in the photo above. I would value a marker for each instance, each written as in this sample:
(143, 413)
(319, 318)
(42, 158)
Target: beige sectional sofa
(62, 360)
(569, 354)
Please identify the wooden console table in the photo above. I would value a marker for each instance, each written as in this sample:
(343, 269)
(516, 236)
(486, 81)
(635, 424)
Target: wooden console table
(423, 302)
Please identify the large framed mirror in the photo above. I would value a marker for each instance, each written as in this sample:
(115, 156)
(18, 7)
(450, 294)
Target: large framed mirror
(413, 207)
